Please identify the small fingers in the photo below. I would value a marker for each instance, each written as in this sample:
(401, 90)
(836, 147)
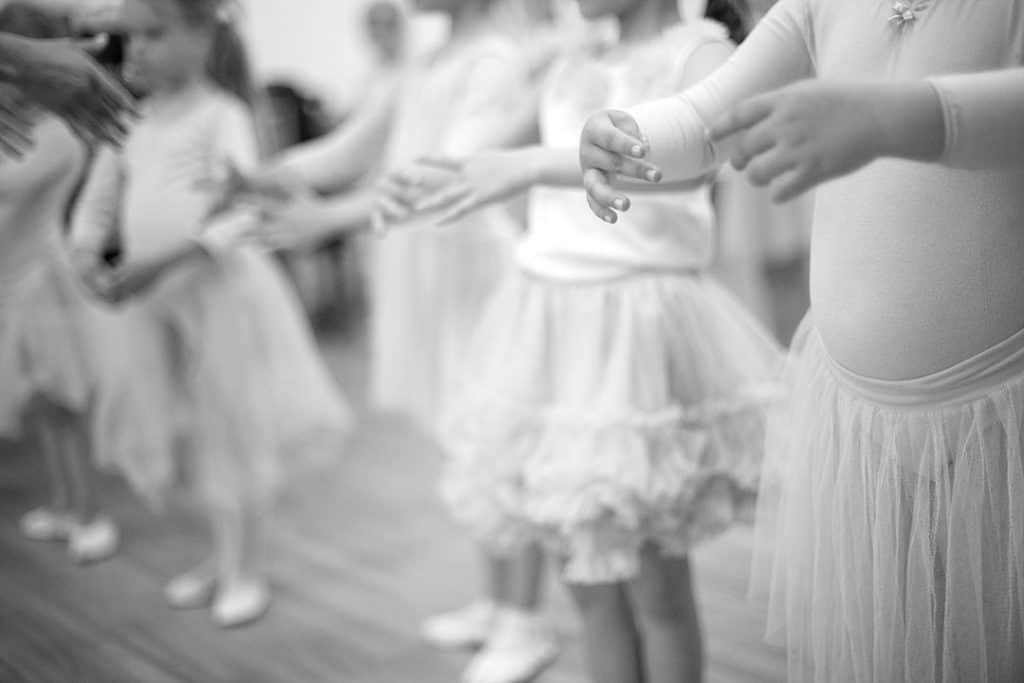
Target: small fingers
(601, 197)
(443, 199)
(791, 185)
(441, 163)
(742, 116)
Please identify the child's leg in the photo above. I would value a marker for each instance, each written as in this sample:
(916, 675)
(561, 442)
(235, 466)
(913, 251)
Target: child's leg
(521, 643)
(94, 536)
(76, 452)
(666, 614)
(471, 626)
(242, 594)
(52, 522)
(610, 636)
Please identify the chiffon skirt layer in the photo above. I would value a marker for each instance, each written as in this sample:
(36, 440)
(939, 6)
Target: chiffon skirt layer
(428, 287)
(51, 337)
(891, 521)
(221, 386)
(598, 418)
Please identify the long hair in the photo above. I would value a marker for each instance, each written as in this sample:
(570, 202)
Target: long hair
(228, 62)
(733, 14)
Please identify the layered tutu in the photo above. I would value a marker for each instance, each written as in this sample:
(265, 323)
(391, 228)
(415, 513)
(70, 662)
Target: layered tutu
(50, 337)
(220, 370)
(891, 522)
(600, 417)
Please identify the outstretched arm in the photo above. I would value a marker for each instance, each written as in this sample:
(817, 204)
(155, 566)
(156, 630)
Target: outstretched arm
(669, 138)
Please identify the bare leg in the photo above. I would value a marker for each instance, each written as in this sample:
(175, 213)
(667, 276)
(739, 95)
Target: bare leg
(667, 616)
(609, 633)
(46, 434)
(243, 595)
(76, 452)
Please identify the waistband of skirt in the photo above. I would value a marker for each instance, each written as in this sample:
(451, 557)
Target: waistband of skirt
(966, 381)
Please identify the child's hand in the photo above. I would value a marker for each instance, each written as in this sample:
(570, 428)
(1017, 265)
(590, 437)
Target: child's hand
(230, 187)
(401, 191)
(611, 145)
(802, 135)
(484, 178)
(297, 222)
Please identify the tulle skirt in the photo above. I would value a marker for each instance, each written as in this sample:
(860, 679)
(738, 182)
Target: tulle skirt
(221, 386)
(428, 286)
(891, 521)
(50, 337)
(598, 418)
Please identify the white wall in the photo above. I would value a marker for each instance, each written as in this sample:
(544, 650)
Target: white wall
(318, 44)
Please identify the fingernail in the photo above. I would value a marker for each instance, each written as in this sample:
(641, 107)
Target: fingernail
(637, 151)
(653, 176)
(620, 204)
(609, 218)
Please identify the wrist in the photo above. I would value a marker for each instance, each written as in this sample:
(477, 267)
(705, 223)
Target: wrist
(910, 121)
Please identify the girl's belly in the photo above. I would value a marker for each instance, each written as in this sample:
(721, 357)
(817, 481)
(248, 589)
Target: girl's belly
(916, 268)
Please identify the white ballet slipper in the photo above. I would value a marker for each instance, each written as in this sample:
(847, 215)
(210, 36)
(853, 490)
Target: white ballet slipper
(192, 589)
(520, 649)
(470, 626)
(93, 541)
(44, 524)
(241, 602)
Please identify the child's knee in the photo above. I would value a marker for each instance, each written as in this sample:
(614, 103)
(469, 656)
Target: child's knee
(662, 594)
(598, 599)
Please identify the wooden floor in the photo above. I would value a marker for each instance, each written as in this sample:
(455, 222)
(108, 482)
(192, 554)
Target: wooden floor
(357, 561)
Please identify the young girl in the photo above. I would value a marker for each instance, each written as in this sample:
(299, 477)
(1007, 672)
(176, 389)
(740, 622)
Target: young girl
(614, 395)
(427, 286)
(214, 342)
(900, 540)
(49, 360)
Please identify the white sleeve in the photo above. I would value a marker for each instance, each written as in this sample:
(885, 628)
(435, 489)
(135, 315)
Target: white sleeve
(776, 53)
(983, 114)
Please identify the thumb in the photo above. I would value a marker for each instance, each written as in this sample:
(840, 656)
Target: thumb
(624, 122)
(94, 45)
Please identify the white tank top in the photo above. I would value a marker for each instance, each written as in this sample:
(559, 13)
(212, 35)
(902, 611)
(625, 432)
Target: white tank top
(670, 232)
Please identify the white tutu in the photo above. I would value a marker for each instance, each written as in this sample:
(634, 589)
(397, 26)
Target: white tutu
(599, 417)
(891, 521)
(220, 369)
(49, 340)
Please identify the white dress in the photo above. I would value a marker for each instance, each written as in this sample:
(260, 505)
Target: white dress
(218, 361)
(49, 332)
(613, 395)
(428, 284)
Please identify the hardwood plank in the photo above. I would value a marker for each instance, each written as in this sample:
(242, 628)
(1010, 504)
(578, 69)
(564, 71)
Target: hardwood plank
(358, 556)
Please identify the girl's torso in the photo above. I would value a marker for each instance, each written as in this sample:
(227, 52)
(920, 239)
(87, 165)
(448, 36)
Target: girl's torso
(164, 164)
(670, 232)
(916, 266)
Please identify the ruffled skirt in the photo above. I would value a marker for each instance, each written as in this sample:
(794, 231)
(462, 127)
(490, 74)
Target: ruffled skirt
(891, 521)
(602, 417)
(221, 385)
